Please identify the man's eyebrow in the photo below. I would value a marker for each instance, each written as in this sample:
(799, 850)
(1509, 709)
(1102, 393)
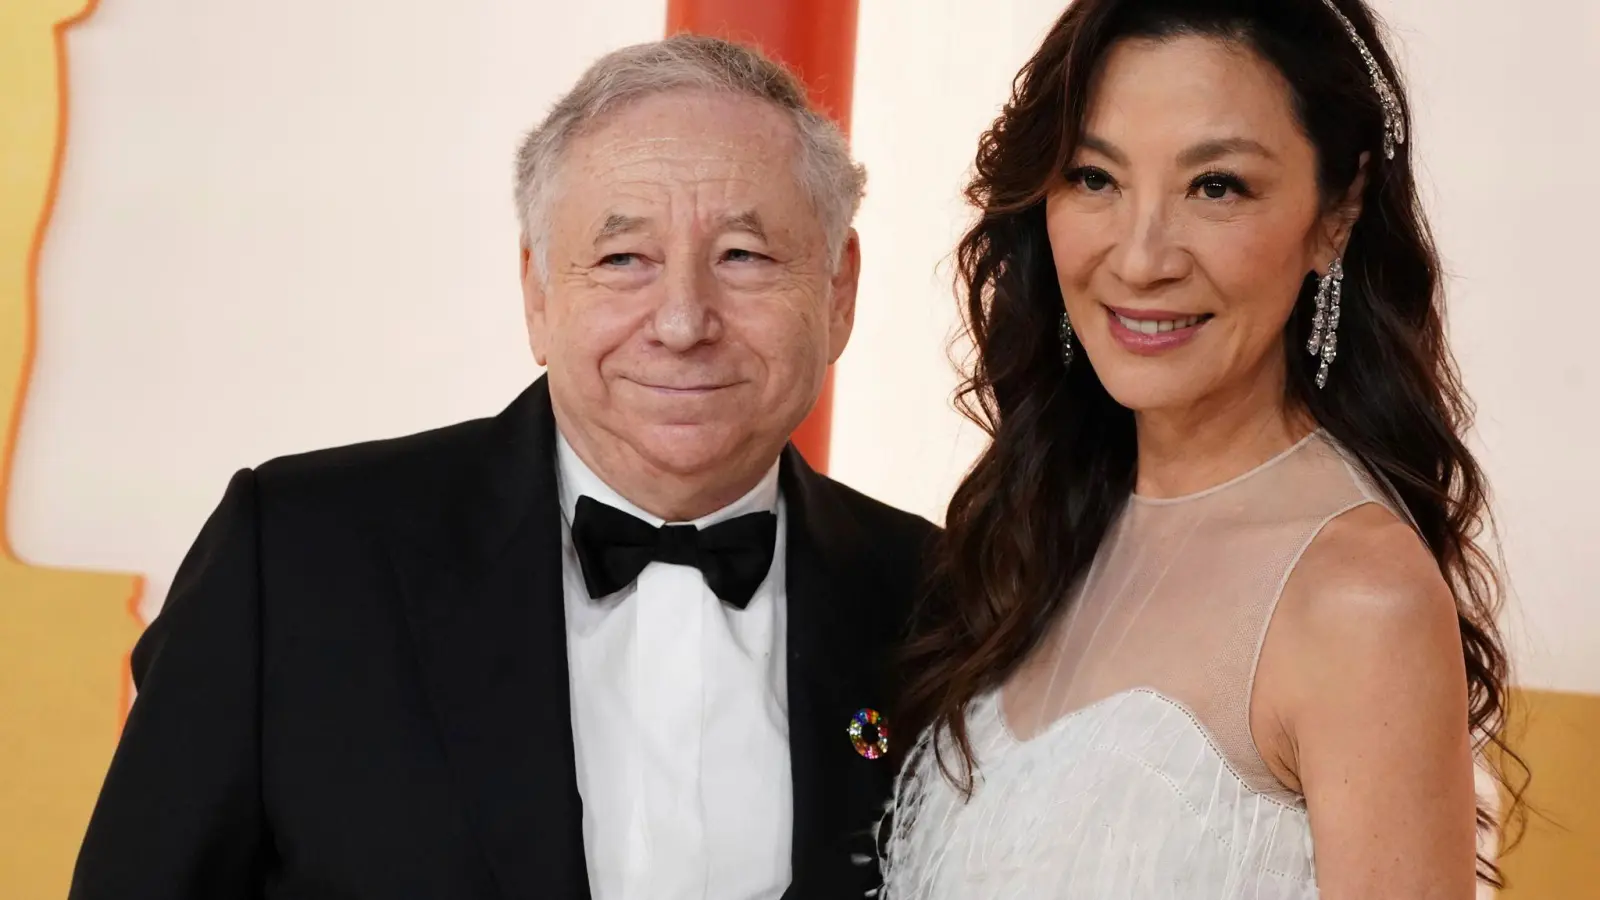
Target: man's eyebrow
(617, 224)
(748, 221)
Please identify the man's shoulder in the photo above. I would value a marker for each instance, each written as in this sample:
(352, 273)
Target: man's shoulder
(877, 515)
(863, 533)
(378, 473)
(422, 448)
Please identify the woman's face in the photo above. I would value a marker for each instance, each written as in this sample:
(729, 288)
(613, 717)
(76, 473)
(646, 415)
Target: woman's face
(1184, 227)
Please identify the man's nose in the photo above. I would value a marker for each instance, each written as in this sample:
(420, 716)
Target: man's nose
(687, 315)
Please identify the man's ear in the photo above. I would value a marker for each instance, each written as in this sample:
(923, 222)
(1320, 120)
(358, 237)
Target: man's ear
(1340, 220)
(533, 305)
(842, 296)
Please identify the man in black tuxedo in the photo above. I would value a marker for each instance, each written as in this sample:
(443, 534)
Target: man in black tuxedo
(618, 641)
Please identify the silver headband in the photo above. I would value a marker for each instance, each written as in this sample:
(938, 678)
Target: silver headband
(1394, 123)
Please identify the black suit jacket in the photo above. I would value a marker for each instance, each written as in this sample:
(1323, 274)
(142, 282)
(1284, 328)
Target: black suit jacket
(358, 686)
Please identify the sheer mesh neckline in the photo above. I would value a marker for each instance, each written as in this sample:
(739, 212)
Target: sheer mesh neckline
(1179, 597)
(1118, 759)
(1145, 500)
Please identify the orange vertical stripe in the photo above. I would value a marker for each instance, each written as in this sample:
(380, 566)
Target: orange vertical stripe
(817, 39)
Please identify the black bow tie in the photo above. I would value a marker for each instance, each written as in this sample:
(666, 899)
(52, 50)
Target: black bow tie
(614, 547)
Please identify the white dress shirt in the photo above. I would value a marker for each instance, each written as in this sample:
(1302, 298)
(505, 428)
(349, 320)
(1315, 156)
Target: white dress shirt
(680, 719)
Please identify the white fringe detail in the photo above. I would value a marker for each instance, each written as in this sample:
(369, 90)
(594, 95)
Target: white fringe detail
(1126, 798)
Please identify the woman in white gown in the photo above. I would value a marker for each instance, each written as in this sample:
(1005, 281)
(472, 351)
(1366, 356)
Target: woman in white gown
(1210, 619)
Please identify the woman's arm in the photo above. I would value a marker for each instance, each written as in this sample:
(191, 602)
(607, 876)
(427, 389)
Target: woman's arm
(1361, 694)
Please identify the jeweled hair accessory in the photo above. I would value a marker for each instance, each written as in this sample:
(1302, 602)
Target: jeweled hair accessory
(1394, 123)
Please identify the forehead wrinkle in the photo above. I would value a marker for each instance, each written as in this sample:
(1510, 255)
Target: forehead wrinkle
(698, 148)
(667, 183)
(727, 202)
(664, 172)
(755, 141)
(651, 181)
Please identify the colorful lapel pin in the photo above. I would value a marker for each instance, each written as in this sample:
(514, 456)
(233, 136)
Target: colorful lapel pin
(869, 733)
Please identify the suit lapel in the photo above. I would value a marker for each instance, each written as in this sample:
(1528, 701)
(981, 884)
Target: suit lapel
(837, 647)
(483, 593)
(483, 590)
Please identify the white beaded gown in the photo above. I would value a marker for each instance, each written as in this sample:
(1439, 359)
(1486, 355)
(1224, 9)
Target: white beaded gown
(1132, 773)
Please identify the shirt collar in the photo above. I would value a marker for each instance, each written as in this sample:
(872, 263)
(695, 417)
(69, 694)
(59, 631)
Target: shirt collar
(576, 480)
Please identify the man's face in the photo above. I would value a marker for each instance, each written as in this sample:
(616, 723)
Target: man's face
(691, 306)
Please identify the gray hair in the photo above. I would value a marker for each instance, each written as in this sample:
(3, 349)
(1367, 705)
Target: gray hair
(833, 181)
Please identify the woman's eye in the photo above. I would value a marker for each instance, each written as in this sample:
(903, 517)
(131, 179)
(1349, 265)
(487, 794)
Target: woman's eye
(1094, 180)
(1219, 187)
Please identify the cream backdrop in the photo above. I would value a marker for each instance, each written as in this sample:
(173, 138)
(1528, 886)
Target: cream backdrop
(284, 226)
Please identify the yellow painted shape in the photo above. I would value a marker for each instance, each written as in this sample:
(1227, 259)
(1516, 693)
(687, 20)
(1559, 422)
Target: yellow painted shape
(1559, 856)
(64, 635)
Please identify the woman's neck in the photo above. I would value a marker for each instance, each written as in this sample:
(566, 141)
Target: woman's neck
(1186, 450)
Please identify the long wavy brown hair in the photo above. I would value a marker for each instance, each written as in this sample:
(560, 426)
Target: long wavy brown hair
(1025, 524)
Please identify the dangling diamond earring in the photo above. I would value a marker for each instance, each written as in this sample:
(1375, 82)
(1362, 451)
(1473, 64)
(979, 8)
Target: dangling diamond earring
(1066, 341)
(1325, 321)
